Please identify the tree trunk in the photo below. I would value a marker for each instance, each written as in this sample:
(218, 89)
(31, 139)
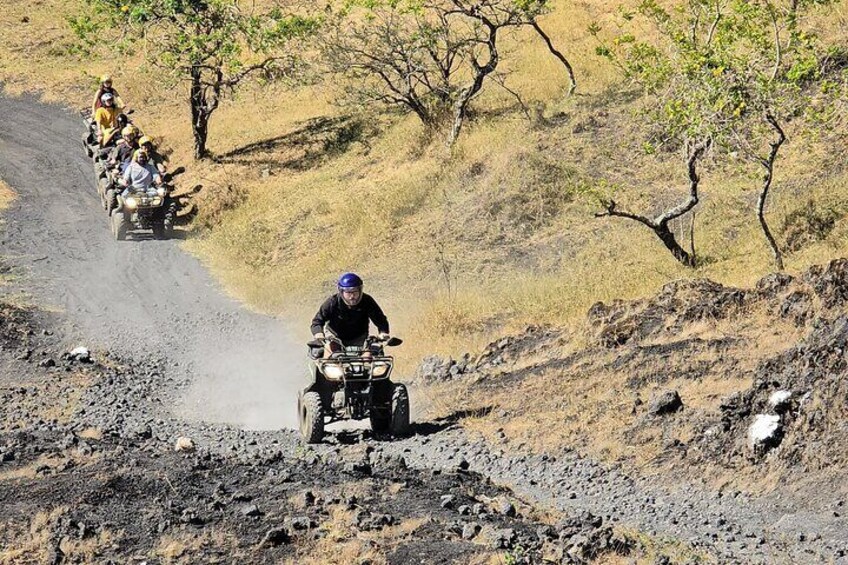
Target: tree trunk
(480, 74)
(199, 115)
(660, 224)
(768, 165)
(670, 242)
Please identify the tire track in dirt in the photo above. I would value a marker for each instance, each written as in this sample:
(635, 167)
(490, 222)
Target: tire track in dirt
(139, 298)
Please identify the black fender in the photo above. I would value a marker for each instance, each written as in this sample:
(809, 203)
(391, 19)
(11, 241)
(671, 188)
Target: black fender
(312, 384)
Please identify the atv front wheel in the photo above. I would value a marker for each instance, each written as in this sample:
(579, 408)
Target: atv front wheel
(159, 230)
(119, 225)
(380, 421)
(400, 411)
(311, 417)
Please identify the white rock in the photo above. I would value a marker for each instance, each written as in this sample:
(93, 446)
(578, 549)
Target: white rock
(779, 400)
(764, 432)
(81, 353)
(184, 444)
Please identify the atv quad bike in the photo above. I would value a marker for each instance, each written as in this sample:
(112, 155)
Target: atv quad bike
(353, 383)
(141, 210)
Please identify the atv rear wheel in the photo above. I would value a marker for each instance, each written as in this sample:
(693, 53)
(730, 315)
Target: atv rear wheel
(102, 188)
(119, 225)
(399, 425)
(311, 417)
(170, 216)
(86, 144)
(111, 200)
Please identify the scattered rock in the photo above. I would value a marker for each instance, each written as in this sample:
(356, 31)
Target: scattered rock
(447, 501)
(275, 537)
(251, 510)
(780, 401)
(300, 523)
(470, 530)
(666, 402)
(765, 433)
(498, 538)
(81, 354)
(184, 444)
(506, 507)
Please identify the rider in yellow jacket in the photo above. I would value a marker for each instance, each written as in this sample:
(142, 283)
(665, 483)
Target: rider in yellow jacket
(106, 118)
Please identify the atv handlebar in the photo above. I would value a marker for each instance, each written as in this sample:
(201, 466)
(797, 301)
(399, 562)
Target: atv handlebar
(369, 341)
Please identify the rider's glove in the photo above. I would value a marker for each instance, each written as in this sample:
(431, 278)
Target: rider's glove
(384, 336)
(319, 335)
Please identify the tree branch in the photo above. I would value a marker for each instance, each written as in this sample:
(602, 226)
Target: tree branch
(556, 53)
(691, 164)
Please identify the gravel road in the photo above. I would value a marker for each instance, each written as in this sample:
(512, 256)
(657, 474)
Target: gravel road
(203, 360)
(141, 298)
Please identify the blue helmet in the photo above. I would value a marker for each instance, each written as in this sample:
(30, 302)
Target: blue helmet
(350, 288)
(350, 281)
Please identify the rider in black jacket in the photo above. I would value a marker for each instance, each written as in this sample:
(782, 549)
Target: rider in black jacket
(346, 314)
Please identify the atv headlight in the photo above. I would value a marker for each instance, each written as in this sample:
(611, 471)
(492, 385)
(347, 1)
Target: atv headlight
(155, 201)
(333, 372)
(379, 369)
(131, 202)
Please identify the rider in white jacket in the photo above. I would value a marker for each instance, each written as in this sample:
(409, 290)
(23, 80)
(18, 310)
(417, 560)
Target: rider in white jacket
(141, 174)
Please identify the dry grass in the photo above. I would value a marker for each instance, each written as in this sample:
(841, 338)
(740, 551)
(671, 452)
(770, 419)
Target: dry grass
(28, 544)
(31, 543)
(68, 391)
(457, 248)
(650, 548)
(211, 545)
(343, 543)
(590, 403)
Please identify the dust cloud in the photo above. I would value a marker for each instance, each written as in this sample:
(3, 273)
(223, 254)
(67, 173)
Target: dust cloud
(247, 377)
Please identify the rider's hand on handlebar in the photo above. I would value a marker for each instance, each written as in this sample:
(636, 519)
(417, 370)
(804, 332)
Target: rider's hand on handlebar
(319, 335)
(383, 336)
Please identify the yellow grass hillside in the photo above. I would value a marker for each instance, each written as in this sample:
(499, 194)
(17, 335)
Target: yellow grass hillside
(458, 246)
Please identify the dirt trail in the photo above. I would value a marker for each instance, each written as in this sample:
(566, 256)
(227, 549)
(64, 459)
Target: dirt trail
(200, 356)
(140, 298)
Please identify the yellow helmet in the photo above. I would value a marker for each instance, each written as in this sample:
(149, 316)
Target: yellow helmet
(138, 153)
(105, 78)
(145, 140)
(129, 131)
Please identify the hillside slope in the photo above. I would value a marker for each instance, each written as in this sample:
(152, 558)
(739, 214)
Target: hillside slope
(729, 355)
(458, 246)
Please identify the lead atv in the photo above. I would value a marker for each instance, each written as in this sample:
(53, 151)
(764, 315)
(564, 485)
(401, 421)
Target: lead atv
(352, 383)
(140, 210)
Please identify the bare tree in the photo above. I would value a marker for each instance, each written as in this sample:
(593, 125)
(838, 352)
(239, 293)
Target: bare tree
(431, 57)
(660, 224)
(213, 45)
